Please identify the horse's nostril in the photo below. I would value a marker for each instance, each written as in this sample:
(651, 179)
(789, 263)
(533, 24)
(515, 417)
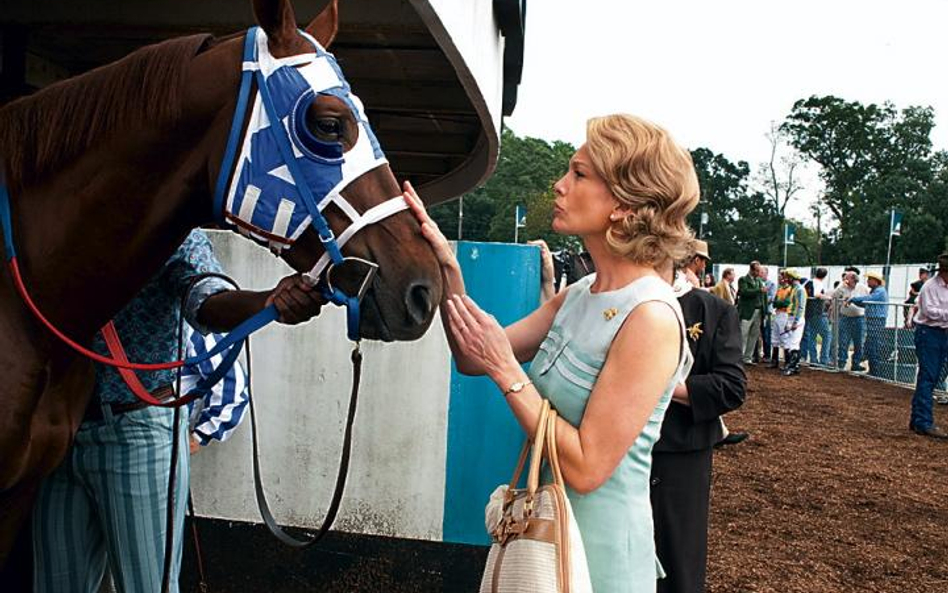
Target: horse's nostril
(419, 303)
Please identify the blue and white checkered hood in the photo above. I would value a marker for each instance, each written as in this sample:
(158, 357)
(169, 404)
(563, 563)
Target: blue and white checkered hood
(263, 200)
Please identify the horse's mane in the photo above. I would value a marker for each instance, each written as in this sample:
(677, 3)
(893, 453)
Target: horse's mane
(45, 130)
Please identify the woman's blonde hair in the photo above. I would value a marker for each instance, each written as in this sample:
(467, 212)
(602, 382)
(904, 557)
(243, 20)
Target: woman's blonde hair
(655, 178)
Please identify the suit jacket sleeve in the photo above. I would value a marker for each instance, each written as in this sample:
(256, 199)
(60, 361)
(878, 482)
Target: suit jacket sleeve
(722, 389)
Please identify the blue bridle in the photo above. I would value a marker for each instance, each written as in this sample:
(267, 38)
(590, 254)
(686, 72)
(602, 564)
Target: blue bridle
(285, 176)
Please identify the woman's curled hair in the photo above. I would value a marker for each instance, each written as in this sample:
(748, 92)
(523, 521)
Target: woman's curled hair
(654, 178)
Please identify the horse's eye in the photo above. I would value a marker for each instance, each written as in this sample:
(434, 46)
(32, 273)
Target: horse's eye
(327, 129)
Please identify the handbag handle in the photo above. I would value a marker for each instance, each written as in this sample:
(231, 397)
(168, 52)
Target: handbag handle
(538, 437)
(536, 456)
(551, 451)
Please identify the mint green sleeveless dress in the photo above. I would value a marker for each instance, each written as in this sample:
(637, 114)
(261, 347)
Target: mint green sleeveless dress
(616, 518)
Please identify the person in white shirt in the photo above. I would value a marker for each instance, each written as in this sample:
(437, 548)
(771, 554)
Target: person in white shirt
(817, 320)
(931, 349)
(851, 319)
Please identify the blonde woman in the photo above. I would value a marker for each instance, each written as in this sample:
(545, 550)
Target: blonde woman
(609, 350)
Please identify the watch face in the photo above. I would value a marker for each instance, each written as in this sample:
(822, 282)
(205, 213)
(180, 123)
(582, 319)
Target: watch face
(516, 386)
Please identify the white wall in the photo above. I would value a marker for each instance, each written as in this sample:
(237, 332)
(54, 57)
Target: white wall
(301, 378)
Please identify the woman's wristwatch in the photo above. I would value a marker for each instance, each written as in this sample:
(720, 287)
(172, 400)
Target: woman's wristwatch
(517, 387)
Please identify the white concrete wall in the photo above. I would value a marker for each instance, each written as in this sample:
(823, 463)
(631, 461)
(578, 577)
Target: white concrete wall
(301, 378)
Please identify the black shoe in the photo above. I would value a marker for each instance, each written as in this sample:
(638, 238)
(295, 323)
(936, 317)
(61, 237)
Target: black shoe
(861, 368)
(732, 438)
(932, 431)
(793, 363)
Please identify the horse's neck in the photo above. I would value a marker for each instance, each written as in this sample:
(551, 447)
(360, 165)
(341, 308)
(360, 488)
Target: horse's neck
(93, 234)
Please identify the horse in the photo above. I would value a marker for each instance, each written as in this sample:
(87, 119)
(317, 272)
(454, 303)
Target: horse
(107, 174)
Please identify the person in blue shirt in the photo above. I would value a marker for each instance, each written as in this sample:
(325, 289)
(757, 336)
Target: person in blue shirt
(876, 305)
(103, 509)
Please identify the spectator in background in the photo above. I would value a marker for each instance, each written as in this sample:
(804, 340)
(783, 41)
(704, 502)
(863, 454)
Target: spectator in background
(751, 301)
(851, 319)
(817, 320)
(931, 347)
(699, 262)
(767, 316)
(548, 288)
(724, 289)
(709, 282)
(681, 461)
(876, 310)
(914, 289)
(792, 333)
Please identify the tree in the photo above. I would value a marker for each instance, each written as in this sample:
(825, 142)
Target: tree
(779, 177)
(872, 158)
(526, 170)
(742, 224)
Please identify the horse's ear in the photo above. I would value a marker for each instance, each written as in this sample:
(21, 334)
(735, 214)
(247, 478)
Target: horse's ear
(279, 23)
(326, 24)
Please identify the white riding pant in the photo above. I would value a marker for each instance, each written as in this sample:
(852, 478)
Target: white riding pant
(781, 334)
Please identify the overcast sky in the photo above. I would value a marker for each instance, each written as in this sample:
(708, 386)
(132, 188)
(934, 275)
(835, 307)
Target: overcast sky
(717, 73)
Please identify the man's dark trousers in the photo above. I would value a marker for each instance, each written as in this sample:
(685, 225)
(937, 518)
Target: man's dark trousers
(681, 489)
(681, 459)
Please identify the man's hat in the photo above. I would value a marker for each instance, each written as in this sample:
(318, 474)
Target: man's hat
(791, 273)
(876, 276)
(701, 248)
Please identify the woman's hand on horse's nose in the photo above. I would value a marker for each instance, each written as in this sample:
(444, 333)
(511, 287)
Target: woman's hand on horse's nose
(296, 300)
(429, 228)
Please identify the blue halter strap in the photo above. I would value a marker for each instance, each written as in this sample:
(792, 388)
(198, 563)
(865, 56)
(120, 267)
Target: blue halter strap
(252, 71)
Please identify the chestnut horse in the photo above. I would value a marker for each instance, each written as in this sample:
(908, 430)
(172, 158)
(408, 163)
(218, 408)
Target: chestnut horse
(107, 173)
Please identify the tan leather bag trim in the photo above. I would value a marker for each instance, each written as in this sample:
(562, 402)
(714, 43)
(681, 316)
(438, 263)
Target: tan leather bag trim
(539, 530)
(495, 579)
(559, 498)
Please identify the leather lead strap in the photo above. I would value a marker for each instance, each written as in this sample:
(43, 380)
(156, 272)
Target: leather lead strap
(202, 580)
(334, 504)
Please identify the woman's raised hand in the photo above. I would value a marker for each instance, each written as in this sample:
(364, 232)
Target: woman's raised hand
(481, 338)
(429, 228)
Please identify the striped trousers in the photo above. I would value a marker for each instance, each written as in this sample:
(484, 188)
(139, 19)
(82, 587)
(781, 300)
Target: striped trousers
(104, 506)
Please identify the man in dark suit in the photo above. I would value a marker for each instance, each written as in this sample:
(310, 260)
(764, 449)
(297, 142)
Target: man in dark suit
(681, 459)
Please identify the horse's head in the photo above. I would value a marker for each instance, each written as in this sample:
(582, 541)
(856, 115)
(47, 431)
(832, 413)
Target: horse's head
(323, 163)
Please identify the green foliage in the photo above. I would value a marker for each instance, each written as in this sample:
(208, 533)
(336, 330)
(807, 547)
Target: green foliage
(742, 224)
(526, 170)
(874, 158)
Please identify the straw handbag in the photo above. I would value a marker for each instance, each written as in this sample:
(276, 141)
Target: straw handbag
(537, 545)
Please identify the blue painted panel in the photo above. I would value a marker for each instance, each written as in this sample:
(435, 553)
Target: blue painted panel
(483, 436)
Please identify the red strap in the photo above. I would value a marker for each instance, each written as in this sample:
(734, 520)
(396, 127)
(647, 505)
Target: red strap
(131, 379)
(121, 363)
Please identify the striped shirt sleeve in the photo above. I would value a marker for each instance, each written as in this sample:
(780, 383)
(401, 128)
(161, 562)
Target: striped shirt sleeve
(216, 415)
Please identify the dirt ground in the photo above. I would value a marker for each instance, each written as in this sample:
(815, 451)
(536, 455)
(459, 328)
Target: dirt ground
(832, 492)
